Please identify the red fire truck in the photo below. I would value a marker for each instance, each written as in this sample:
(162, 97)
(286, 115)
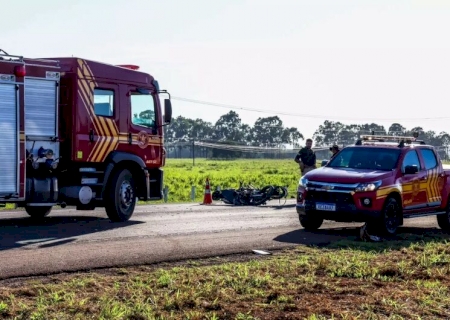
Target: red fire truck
(81, 133)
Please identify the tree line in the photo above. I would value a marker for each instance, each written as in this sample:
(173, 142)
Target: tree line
(269, 132)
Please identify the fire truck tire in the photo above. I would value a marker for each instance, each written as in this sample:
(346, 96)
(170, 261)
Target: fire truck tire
(38, 212)
(120, 196)
(310, 222)
(443, 220)
(389, 221)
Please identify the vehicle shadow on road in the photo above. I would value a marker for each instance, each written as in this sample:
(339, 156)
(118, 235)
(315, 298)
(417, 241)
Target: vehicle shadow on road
(341, 238)
(52, 231)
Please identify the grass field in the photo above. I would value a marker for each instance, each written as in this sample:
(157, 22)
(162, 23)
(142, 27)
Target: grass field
(181, 175)
(397, 279)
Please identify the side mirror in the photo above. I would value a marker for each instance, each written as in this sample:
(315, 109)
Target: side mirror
(167, 111)
(411, 169)
(324, 163)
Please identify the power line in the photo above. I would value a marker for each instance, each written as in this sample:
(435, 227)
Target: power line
(304, 115)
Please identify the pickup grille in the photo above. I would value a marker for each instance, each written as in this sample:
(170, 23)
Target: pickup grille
(333, 197)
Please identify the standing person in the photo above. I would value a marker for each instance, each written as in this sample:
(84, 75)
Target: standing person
(306, 158)
(334, 150)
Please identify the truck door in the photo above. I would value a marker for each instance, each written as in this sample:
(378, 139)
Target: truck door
(143, 126)
(101, 125)
(414, 197)
(9, 138)
(434, 178)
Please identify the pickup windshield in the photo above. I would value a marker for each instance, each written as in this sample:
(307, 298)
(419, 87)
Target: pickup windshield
(366, 158)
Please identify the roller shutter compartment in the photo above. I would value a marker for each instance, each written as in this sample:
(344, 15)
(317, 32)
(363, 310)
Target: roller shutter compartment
(40, 108)
(8, 140)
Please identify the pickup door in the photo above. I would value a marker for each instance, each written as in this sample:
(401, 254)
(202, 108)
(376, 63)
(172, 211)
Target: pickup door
(414, 195)
(434, 178)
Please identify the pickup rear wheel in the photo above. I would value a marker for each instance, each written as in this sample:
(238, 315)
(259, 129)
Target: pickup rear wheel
(444, 219)
(309, 222)
(390, 217)
(120, 196)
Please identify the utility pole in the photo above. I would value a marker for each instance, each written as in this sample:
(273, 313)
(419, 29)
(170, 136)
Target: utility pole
(193, 152)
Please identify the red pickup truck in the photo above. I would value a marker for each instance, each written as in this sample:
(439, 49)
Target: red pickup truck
(380, 180)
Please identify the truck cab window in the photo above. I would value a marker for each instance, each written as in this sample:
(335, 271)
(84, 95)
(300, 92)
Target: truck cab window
(104, 102)
(410, 159)
(429, 158)
(142, 110)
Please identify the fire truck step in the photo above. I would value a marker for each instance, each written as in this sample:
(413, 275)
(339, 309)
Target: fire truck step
(92, 172)
(38, 204)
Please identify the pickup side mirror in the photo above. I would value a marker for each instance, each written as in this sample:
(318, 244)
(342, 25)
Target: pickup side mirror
(324, 163)
(412, 169)
(167, 111)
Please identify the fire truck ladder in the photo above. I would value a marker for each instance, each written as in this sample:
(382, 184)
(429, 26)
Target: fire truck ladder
(6, 57)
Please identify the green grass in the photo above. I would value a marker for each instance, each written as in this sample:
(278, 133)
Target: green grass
(351, 280)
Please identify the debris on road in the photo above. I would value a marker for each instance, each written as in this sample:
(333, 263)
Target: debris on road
(250, 195)
(261, 252)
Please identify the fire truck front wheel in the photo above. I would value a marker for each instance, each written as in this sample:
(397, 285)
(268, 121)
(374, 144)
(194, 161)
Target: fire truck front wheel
(38, 212)
(120, 196)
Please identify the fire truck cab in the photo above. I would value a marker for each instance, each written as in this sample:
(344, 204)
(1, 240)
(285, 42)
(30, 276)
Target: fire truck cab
(81, 133)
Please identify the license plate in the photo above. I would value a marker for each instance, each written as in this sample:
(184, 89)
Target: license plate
(326, 206)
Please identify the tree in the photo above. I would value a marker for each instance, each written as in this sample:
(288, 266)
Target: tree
(269, 132)
(228, 128)
(327, 133)
(396, 129)
(292, 136)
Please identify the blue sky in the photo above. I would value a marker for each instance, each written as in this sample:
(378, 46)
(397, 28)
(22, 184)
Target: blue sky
(361, 60)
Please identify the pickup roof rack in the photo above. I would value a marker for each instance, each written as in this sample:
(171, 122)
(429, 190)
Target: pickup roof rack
(400, 141)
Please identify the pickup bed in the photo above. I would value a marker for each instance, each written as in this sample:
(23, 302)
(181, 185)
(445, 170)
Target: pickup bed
(377, 182)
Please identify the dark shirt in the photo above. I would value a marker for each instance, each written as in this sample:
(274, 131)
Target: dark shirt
(308, 156)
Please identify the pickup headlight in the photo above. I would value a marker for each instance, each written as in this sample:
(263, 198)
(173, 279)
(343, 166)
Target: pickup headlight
(372, 186)
(303, 182)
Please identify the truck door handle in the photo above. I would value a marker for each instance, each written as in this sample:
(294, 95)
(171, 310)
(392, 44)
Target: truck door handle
(130, 141)
(91, 135)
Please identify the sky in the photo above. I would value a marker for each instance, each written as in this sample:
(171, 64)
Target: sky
(306, 61)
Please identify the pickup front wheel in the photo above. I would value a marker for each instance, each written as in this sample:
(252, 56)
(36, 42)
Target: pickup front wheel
(310, 222)
(390, 217)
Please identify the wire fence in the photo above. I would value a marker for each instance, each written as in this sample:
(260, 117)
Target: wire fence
(205, 149)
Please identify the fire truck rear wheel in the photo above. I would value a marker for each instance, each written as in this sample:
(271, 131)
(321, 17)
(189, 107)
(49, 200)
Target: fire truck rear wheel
(120, 196)
(38, 212)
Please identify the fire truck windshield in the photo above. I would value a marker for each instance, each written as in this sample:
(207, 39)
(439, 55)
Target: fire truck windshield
(384, 159)
(143, 110)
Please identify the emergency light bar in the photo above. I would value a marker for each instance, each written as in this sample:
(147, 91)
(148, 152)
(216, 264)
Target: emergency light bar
(128, 66)
(389, 140)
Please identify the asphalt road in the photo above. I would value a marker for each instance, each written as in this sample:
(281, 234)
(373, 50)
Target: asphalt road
(70, 240)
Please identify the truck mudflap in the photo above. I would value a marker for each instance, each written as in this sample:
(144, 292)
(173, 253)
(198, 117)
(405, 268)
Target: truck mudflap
(345, 213)
(9, 151)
